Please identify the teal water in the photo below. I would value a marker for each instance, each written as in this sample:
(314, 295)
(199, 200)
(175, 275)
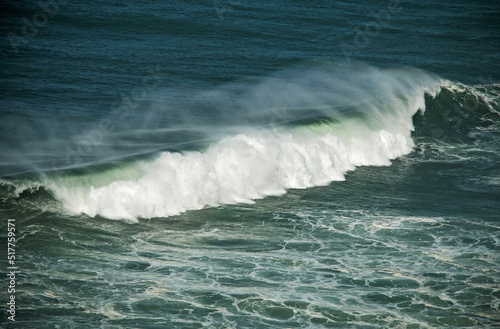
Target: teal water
(252, 164)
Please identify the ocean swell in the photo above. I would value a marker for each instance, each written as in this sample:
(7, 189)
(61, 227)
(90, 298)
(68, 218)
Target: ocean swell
(264, 161)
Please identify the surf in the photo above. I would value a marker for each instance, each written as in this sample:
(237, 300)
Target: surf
(293, 130)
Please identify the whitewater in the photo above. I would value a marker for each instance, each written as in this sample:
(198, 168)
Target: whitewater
(362, 120)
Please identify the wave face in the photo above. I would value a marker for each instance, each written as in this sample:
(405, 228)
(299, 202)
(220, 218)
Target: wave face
(300, 129)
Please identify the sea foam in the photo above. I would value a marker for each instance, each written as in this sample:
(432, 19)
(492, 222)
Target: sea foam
(265, 161)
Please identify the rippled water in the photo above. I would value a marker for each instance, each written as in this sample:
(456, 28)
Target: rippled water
(237, 164)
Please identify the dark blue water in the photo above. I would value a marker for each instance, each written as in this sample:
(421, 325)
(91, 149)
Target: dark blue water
(237, 164)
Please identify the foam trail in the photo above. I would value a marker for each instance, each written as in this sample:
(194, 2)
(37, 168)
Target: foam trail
(260, 162)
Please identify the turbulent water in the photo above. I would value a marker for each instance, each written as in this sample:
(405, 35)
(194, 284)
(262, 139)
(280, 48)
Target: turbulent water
(251, 165)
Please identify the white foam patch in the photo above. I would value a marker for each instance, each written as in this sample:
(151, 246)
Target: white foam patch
(237, 169)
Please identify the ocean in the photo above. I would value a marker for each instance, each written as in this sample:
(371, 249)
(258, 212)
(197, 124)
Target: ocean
(250, 164)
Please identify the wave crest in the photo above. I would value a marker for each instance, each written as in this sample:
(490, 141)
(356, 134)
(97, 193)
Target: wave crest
(259, 162)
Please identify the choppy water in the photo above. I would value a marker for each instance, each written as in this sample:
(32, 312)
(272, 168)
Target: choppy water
(251, 164)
